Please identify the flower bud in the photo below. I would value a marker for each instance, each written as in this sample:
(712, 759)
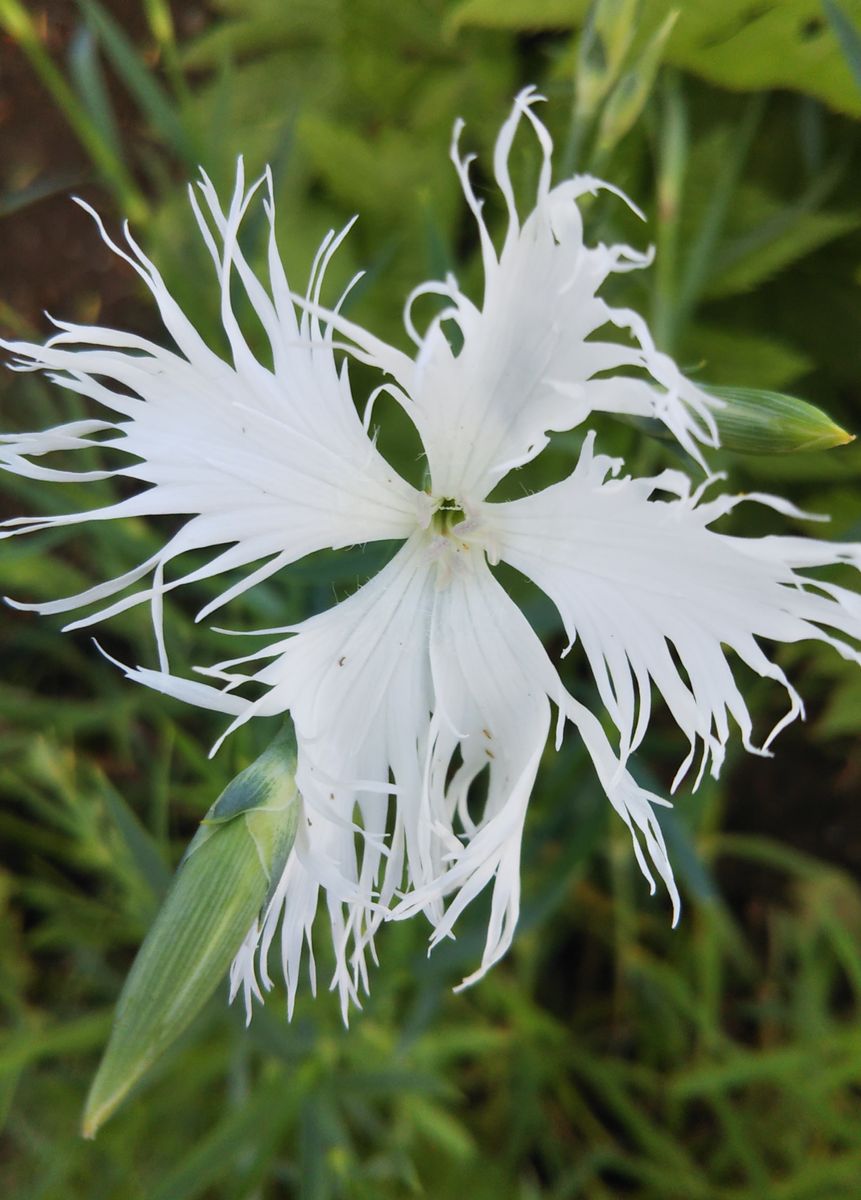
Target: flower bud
(758, 422)
(606, 38)
(228, 873)
(751, 421)
(630, 94)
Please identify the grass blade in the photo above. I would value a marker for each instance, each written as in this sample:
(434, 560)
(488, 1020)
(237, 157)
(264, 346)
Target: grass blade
(17, 22)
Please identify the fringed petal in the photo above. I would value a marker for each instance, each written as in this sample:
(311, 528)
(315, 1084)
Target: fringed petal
(529, 357)
(653, 595)
(275, 464)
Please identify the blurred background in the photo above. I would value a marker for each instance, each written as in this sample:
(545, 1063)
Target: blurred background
(607, 1056)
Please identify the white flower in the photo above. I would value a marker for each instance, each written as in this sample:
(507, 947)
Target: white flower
(429, 675)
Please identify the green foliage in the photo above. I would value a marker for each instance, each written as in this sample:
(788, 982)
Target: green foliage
(847, 35)
(88, 127)
(607, 1056)
(155, 104)
(734, 44)
(725, 355)
(776, 236)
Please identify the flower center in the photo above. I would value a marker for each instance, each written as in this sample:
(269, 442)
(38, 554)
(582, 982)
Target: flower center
(447, 514)
(458, 536)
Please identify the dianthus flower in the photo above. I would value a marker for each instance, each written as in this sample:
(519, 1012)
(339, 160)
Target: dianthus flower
(429, 674)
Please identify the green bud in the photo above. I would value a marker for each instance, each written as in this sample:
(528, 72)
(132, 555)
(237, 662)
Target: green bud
(228, 874)
(630, 94)
(616, 22)
(758, 422)
(605, 40)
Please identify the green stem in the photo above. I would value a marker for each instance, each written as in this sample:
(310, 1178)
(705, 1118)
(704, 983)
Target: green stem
(701, 258)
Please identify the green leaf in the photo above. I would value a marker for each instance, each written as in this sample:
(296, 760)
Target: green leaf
(735, 44)
(142, 848)
(22, 1047)
(848, 37)
(518, 14)
(86, 72)
(258, 1122)
(59, 184)
(259, 27)
(725, 355)
(20, 26)
(842, 717)
(699, 262)
(778, 45)
(227, 876)
(786, 234)
(372, 174)
(158, 107)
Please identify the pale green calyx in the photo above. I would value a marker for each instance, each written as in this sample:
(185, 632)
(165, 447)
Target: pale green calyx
(228, 874)
(760, 422)
(752, 421)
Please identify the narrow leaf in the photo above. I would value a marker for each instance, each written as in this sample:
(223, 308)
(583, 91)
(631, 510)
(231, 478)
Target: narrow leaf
(158, 107)
(19, 25)
(847, 35)
(86, 73)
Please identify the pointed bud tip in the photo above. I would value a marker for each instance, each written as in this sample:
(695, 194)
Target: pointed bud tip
(752, 421)
(830, 439)
(95, 1114)
(107, 1093)
(90, 1125)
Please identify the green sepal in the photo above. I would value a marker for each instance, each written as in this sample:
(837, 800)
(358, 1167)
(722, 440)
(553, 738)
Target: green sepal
(260, 785)
(228, 874)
